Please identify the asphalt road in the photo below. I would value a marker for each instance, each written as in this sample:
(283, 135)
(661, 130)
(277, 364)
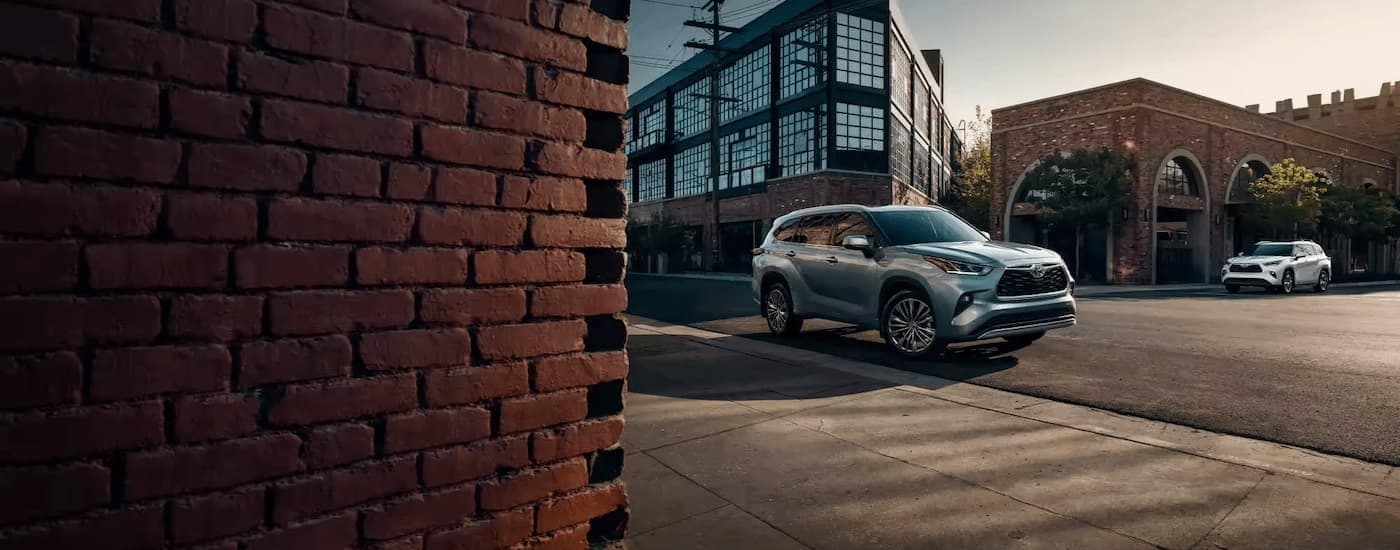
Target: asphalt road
(1320, 371)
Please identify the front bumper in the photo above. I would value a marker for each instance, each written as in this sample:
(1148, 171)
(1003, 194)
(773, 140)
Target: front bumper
(999, 319)
(1269, 277)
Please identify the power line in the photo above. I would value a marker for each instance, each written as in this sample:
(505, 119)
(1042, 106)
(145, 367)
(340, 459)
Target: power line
(671, 4)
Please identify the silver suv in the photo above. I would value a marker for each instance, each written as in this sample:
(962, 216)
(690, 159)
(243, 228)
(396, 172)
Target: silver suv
(1279, 267)
(922, 275)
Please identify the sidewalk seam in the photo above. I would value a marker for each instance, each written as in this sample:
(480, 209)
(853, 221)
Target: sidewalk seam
(1227, 515)
(727, 501)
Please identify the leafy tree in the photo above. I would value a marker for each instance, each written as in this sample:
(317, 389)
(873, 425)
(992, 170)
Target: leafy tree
(1288, 200)
(970, 194)
(1357, 214)
(1083, 188)
(660, 236)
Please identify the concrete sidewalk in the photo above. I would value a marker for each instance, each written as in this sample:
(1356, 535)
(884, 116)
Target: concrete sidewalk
(736, 443)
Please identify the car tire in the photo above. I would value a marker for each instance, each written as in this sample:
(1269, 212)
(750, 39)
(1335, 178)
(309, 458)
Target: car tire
(1324, 281)
(777, 310)
(1232, 289)
(1290, 282)
(1025, 339)
(909, 325)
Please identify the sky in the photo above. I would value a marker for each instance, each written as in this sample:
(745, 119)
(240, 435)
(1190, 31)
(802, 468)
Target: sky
(1003, 52)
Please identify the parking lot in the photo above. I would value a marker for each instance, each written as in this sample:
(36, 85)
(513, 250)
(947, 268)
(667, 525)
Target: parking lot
(1320, 371)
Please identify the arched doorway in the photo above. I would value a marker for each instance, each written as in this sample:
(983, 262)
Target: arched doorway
(1023, 225)
(1181, 225)
(1240, 232)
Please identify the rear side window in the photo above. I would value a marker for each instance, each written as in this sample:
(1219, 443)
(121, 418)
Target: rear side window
(817, 229)
(788, 231)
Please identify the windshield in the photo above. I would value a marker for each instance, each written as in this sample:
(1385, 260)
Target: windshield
(903, 227)
(1273, 250)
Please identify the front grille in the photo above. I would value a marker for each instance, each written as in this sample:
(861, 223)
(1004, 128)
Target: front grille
(1239, 268)
(1020, 282)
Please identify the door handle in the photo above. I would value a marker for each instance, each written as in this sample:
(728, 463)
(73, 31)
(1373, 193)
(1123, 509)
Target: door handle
(831, 259)
(791, 254)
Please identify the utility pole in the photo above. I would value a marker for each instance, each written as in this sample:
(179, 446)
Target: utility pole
(714, 98)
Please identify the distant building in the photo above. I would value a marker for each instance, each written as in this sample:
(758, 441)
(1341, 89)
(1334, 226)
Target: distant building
(824, 102)
(1196, 158)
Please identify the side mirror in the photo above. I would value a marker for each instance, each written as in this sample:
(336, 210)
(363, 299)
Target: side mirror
(986, 235)
(856, 242)
(1298, 257)
(1240, 255)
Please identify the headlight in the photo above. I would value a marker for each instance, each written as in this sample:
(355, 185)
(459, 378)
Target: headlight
(1275, 262)
(958, 268)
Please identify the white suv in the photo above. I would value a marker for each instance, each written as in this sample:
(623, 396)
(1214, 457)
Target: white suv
(1279, 267)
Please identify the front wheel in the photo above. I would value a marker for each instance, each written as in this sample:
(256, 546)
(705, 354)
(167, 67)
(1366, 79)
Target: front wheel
(777, 310)
(1289, 281)
(1324, 280)
(909, 325)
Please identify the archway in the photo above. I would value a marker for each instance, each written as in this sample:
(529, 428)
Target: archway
(1180, 220)
(1240, 233)
(1022, 225)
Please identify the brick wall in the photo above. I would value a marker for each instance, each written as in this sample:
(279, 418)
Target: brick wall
(311, 273)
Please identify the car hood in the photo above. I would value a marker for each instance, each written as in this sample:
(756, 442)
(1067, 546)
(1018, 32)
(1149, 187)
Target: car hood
(1256, 259)
(986, 252)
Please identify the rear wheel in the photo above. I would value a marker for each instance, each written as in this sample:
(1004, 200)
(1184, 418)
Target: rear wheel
(909, 325)
(1232, 289)
(1324, 279)
(1025, 339)
(777, 310)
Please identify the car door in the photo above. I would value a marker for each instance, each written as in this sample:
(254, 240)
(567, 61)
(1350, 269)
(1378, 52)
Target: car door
(806, 253)
(1305, 269)
(845, 278)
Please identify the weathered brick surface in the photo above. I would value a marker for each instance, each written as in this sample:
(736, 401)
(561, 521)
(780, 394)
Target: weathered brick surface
(308, 273)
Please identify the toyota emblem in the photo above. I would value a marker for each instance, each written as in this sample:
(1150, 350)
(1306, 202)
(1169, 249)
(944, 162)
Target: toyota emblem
(1037, 271)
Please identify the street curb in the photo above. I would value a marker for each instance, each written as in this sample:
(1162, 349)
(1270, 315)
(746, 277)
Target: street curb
(736, 277)
(1348, 473)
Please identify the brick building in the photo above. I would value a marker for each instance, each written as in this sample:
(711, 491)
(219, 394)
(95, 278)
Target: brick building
(822, 102)
(1195, 156)
(311, 273)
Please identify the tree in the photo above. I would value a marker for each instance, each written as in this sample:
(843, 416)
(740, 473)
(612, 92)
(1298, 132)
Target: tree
(660, 236)
(1288, 200)
(970, 194)
(1357, 214)
(1082, 188)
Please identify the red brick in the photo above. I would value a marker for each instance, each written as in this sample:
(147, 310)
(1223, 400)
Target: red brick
(82, 432)
(343, 488)
(225, 464)
(56, 323)
(576, 90)
(578, 301)
(498, 531)
(519, 11)
(340, 221)
(520, 40)
(209, 114)
(475, 461)
(563, 539)
(38, 266)
(221, 19)
(212, 217)
(475, 384)
(335, 533)
(578, 232)
(125, 529)
(303, 79)
(414, 542)
(334, 128)
(388, 91)
(407, 349)
(580, 162)
(408, 181)
(420, 513)
(204, 518)
(337, 38)
(428, 18)
(474, 69)
(155, 265)
(346, 175)
(464, 186)
(246, 168)
(521, 116)
(37, 33)
(532, 266)
(50, 210)
(215, 318)
(263, 363)
(313, 313)
(576, 439)
(530, 340)
(435, 428)
(338, 445)
(128, 47)
(580, 507)
(56, 93)
(139, 10)
(544, 193)
(583, 22)
(14, 140)
(539, 411)
(533, 485)
(280, 266)
(49, 491)
(40, 380)
(130, 373)
(84, 153)
(389, 266)
(215, 417)
(459, 226)
(473, 307)
(344, 400)
(338, 7)
(557, 373)
(473, 147)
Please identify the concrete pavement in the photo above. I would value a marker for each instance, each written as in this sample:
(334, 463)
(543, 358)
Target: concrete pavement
(739, 443)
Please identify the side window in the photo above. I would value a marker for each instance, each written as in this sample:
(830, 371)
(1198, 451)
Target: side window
(1317, 249)
(851, 224)
(1300, 250)
(788, 231)
(817, 230)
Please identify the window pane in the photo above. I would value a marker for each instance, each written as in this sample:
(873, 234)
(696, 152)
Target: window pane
(860, 128)
(849, 225)
(860, 51)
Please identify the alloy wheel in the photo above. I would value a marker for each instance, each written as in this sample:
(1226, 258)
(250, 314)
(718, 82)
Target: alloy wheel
(776, 310)
(910, 326)
(1287, 282)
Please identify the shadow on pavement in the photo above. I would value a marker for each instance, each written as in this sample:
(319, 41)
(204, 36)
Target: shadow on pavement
(1244, 294)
